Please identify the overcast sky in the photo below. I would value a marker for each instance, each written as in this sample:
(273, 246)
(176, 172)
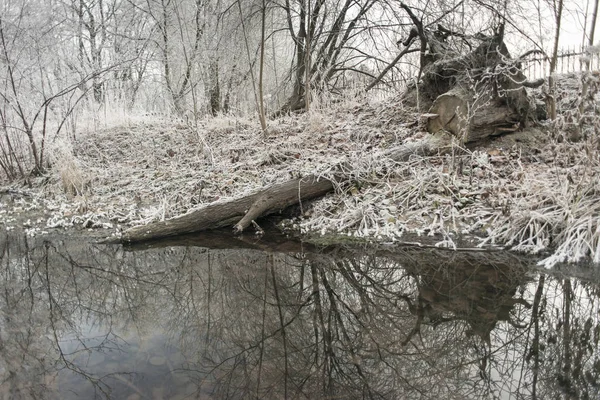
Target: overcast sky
(574, 20)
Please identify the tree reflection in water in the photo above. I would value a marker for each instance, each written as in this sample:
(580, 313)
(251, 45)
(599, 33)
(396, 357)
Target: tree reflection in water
(280, 320)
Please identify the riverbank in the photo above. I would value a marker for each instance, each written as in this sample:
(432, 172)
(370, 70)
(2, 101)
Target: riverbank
(529, 191)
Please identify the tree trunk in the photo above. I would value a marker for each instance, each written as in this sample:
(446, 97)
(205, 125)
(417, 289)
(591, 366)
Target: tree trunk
(593, 25)
(240, 213)
(214, 91)
(551, 82)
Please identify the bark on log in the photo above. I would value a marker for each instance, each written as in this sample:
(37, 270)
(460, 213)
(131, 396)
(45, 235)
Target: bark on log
(240, 213)
(471, 118)
(244, 210)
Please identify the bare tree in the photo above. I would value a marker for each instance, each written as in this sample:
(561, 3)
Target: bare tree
(558, 12)
(44, 80)
(261, 72)
(325, 36)
(180, 28)
(93, 18)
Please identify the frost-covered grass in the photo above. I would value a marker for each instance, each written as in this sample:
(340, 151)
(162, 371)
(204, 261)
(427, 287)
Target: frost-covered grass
(140, 172)
(556, 206)
(532, 192)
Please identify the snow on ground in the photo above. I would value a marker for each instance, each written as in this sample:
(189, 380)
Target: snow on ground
(524, 191)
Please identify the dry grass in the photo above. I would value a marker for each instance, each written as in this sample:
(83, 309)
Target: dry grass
(68, 169)
(557, 207)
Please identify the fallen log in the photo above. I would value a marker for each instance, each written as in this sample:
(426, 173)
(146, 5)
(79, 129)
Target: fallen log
(240, 212)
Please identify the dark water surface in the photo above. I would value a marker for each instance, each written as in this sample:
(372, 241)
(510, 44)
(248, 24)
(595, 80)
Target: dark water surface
(273, 319)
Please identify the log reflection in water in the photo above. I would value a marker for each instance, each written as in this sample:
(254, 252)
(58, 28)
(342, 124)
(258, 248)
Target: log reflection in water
(243, 323)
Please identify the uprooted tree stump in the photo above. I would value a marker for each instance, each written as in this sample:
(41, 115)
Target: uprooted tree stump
(471, 119)
(476, 95)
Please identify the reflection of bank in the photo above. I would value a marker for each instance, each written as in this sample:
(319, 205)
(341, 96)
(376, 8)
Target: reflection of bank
(479, 289)
(278, 318)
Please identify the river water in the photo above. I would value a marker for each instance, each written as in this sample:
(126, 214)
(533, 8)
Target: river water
(212, 317)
